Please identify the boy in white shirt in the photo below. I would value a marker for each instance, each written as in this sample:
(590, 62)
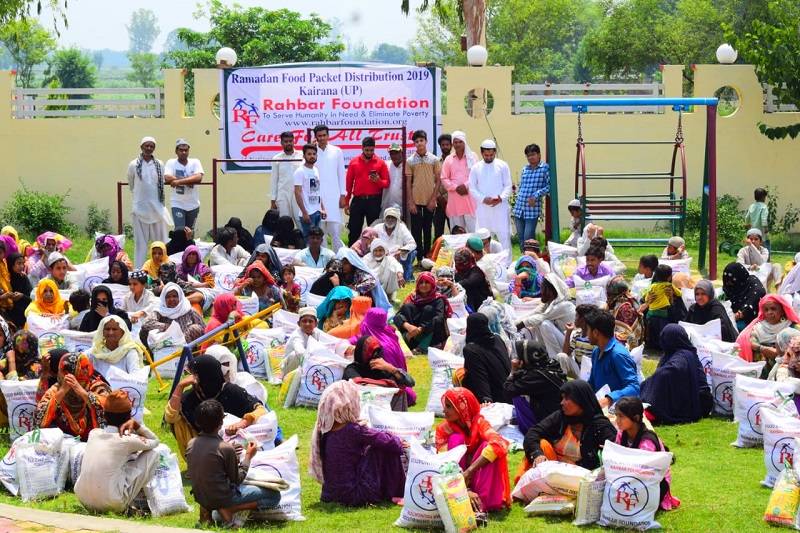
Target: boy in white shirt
(183, 175)
(307, 191)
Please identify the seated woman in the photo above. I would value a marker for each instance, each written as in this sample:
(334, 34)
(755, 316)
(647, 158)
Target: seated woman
(357, 275)
(207, 382)
(487, 363)
(534, 384)
(788, 365)
(140, 301)
(547, 323)
(422, 319)
(260, 282)
(113, 345)
(706, 308)
(370, 368)
(17, 292)
(48, 300)
(675, 249)
(196, 278)
(634, 434)
(470, 276)
(48, 242)
(484, 464)
(677, 392)
(753, 254)
(364, 243)
(375, 324)
(173, 307)
(446, 282)
(158, 256)
(744, 291)
(267, 255)
(227, 250)
(268, 226)
(179, 240)
(117, 273)
(385, 267)
(575, 433)
(758, 340)
(101, 306)
(75, 403)
(243, 237)
(287, 235)
(526, 281)
(20, 359)
(22, 244)
(108, 247)
(329, 279)
(350, 327)
(225, 306)
(49, 374)
(629, 327)
(335, 308)
(230, 372)
(356, 465)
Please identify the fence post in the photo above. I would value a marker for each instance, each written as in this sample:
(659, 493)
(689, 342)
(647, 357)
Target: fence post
(516, 89)
(158, 103)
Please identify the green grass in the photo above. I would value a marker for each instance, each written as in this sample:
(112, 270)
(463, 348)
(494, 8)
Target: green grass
(717, 484)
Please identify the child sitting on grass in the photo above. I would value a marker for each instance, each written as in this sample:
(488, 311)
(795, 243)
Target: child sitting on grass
(676, 249)
(79, 303)
(291, 290)
(658, 300)
(574, 208)
(216, 473)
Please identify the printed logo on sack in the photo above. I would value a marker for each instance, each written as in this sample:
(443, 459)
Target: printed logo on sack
(134, 396)
(723, 396)
(628, 496)
(754, 417)
(226, 281)
(782, 451)
(255, 354)
(303, 283)
(10, 458)
(422, 490)
(23, 415)
(50, 341)
(90, 282)
(271, 469)
(707, 366)
(318, 378)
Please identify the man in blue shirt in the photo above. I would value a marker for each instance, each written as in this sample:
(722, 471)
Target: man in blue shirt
(534, 184)
(612, 364)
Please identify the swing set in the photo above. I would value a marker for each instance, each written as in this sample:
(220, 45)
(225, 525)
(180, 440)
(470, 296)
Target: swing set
(660, 204)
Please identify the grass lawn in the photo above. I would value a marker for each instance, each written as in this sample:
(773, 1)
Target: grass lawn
(717, 484)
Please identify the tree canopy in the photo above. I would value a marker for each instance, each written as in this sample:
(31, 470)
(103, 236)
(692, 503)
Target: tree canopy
(28, 44)
(18, 9)
(390, 53)
(71, 68)
(142, 31)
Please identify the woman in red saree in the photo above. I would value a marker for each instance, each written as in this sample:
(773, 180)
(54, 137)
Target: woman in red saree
(485, 466)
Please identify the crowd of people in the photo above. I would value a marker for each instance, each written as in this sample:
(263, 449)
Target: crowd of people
(554, 344)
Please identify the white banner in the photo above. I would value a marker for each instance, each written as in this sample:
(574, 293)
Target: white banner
(261, 102)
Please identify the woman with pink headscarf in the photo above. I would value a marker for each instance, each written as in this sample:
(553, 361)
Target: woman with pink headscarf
(757, 342)
(107, 246)
(361, 246)
(46, 243)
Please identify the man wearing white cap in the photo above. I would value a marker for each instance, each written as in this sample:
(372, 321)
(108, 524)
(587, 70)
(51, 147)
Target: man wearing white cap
(574, 208)
(183, 175)
(151, 220)
(297, 345)
(455, 179)
(398, 240)
(490, 246)
(490, 186)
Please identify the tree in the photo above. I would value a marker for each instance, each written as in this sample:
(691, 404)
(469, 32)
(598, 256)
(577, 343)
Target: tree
(471, 14)
(28, 44)
(142, 31)
(355, 50)
(97, 59)
(144, 67)
(772, 45)
(437, 41)
(259, 36)
(71, 68)
(390, 53)
(11, 10)
(173, 42)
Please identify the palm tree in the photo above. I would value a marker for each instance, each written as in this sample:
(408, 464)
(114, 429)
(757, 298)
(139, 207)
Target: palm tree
(472, 13)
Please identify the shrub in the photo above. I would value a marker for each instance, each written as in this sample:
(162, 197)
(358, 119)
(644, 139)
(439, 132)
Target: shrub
(36, 212)
(97, 220)
(730, 219)
(785, 223)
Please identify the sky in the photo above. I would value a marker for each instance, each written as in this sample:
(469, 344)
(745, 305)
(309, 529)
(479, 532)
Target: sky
(95, 24)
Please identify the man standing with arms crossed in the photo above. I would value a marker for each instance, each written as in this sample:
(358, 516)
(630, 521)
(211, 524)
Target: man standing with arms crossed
(490, 186)
(183, 174)
(283, 177)
(422, 190)
(150, 217)
(330, 164)
(455, 178)
(367, 177)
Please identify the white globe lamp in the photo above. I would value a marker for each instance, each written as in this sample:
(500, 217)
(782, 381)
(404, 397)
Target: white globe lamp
(477, 55)
(726, 54)
(226, 57)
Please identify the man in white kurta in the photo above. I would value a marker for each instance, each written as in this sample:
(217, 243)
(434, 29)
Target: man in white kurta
(151, 219)
(490, 185)
(330, 164)
(283, 177)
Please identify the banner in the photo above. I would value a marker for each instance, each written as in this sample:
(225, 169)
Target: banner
(261, 102)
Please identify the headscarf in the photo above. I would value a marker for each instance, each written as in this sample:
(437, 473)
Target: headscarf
(618, 291)
(464, 260)
(227, 361)
(745, 348)
(362, 245)
(340, 403)
(419, 300)
(706, 287)
(124, 268)
(7, 344)
(178, 241)
(338, 293)
(581, 393)
(270, 221)
(151, 266)
(286, 234)
(26, 352)
(113, 247)
(167, 272)
(10, 244)
(209, 375)
(703, 314)
(784, 339)
(742, 289)
(349, 327)
(375, 324)
(62, 243)
(245, 238)
(379, 298)
(530, 287)
(478, 331)
(470, 155)
(5, 275)
(367, 349)
(200, 269)
(22, 244)
(19, 282)
(39, 306)
(257, 265)
(91, 321)
(52, 375)
(126, 342)
(676, 241)
(179, 310)
(275, 264)
(531, 353)
(224, 304)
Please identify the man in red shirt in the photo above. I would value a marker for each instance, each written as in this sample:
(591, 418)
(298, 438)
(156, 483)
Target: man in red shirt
(367, 176)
